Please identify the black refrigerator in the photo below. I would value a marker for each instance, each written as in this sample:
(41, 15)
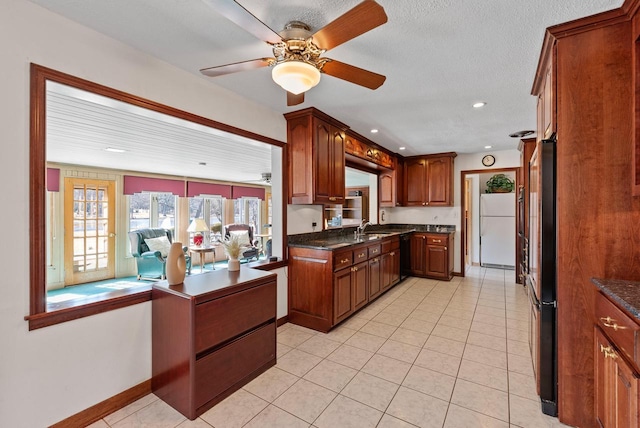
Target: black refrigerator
(542, 278)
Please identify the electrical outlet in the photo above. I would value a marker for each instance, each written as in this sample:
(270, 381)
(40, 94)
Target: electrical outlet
(314, 224)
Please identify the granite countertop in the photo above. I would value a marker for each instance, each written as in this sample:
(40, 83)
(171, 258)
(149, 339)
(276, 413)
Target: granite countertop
(625, 293)
(331, 240)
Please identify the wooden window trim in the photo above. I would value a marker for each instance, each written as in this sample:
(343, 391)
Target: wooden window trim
(41, 314)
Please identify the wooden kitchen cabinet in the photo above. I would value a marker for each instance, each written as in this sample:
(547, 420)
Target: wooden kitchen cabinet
(390, 185)
(428, 180)
(210, 336)
(432, 255)
(315, 148)
(326, 287)
(616, 366)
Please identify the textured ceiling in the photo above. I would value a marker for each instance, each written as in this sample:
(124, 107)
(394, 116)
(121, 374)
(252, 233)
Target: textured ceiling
(439, 58)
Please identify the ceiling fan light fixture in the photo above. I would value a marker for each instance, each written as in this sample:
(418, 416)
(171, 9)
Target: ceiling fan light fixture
(295, 76)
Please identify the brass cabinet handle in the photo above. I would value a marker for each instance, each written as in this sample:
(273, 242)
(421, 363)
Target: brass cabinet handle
(445, 248)
(611, 323)
(374, 251)
(426, 203)
(437, 240)
(392, 253)
(376, 259)
(608, 352)
(360, 256)
(344, 261)
(355, 269)
(333, 198)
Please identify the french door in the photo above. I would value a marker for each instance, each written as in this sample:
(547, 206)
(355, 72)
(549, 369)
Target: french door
(89, 238)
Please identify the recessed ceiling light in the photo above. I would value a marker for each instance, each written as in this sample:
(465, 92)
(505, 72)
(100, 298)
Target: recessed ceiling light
(487, 147)
(479, 105)
(114, 150)
(401, 148)
(374, 131)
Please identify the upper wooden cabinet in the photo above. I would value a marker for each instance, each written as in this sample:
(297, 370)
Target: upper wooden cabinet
(546, 96)
(428, 180)
(390, 185)
(315, 147)
(362, 148)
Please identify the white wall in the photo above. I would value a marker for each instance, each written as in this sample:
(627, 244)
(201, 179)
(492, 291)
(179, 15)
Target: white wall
(49, 374)
(451, 215)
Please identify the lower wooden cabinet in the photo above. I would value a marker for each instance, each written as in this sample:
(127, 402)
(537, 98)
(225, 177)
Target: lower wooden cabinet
(432, 255)
(616, 375)
(326, 287)
(210, 336)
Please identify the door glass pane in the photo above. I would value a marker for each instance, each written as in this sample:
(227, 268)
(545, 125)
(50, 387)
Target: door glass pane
(91, 194)
(78, 264)
(90, 227)
(91, 210)
(78, 210)
(102, 261)
(78, 246)
(91, 263)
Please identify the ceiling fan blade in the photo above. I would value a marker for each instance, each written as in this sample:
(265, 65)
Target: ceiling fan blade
(362, 18)
(221, 70)
(294, 100)
(237, 14)
(352, 74)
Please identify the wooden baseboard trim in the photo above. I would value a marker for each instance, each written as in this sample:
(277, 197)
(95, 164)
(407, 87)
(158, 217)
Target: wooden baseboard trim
(283, 320)
(457, 274)
(106, 407)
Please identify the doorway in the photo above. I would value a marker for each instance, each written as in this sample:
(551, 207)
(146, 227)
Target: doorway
(89, 244)
(469, 248)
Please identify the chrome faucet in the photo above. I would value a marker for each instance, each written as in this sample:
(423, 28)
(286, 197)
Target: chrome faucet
(362, 227)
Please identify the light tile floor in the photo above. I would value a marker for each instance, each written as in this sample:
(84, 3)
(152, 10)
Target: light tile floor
(426, 354)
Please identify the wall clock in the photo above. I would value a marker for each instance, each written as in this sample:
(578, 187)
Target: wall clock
(488, 160)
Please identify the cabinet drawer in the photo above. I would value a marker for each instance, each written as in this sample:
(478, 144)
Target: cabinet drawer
(217, 372)
(374, 250)
(437, 240)
(386, 246)
(342, 259)
(620, 328)
(221, 319)
(360, 255)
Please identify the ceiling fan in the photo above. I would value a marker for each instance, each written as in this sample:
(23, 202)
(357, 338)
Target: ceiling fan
(298, 61)
(264, 179)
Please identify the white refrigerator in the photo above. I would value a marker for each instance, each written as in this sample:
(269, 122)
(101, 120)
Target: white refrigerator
(498, 230)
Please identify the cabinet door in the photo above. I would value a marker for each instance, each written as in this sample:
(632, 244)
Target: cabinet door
(625, 393)
(415, 182)
(387, 266)
(375, 275)
(418, 257)
(395, 266)
(323, 156)
(360, 284)
(438, 182)
(437, 261)
(387, 185)
(603, 369)
(336, 167)
(342, 295)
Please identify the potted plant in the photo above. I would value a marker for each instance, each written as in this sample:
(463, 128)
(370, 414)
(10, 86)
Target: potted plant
(500, 183)
(232, 249)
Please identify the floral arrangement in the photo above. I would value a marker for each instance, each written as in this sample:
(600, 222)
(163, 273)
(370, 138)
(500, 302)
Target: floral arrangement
(232, 247)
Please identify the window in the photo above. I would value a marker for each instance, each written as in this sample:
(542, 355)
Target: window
(152, 210)
(211, 209)
(46, 227)
(247, 211)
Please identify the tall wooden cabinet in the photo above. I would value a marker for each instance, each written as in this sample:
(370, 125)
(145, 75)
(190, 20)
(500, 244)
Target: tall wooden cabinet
(315, 147)
(585, 92)
(428, 180)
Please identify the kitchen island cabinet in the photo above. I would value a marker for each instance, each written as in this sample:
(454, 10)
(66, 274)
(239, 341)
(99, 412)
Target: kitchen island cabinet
(210, 336)
(327, 285)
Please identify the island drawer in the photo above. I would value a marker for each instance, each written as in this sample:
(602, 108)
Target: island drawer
(222, 319)
(374, 250)
(437, 239)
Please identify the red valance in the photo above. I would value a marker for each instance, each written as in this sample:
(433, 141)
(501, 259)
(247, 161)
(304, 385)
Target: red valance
(196, 188)
(133, 184)
(247, 192)
(53, 179)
